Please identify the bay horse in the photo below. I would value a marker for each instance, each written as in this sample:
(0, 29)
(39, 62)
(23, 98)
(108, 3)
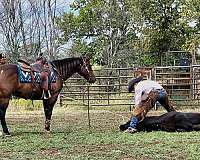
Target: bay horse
(10, 85)
(170, 122)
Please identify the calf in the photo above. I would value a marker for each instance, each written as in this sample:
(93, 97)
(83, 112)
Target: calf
(171, 121)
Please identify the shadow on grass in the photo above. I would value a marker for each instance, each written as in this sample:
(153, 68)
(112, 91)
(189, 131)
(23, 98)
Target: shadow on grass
(39, 133)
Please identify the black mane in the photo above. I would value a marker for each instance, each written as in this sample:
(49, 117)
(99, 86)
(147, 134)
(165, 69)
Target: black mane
(66, 60)
(66, 67)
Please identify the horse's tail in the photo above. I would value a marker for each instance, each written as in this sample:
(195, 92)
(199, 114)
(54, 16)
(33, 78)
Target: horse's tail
(133, 82)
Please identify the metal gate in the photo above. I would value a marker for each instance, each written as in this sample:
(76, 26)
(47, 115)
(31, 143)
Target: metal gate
(181, 82)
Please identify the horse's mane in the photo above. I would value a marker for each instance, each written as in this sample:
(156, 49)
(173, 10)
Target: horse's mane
(66, 60)
(67, 66)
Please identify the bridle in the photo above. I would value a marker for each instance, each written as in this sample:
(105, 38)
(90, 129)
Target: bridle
(85, 66)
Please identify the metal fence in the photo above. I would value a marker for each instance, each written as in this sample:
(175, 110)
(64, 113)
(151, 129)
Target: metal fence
(181, 82)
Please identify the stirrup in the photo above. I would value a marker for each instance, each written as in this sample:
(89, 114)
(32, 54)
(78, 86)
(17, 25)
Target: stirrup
(46, 95)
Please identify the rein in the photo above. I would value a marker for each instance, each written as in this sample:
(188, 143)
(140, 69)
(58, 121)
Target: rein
(84, 65)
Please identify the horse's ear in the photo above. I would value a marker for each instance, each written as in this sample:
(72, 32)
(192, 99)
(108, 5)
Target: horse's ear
(87, 56)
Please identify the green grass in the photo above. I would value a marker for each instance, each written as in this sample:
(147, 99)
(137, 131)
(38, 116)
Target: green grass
(23, 104)
(72, 139)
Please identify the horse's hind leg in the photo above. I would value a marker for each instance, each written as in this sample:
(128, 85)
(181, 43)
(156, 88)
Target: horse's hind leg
(166, 103)
(3, 108)
(48, 108)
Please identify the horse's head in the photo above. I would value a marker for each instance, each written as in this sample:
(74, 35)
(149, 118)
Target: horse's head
(86, 70)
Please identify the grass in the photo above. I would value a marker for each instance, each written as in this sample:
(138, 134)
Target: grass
(22, 104)
(72, 139)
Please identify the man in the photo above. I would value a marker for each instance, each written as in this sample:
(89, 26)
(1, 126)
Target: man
(147, 93)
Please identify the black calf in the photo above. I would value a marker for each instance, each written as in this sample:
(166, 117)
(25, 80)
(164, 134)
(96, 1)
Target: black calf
(171, 121)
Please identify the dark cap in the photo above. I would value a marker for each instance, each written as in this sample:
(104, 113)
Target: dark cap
(133, 82)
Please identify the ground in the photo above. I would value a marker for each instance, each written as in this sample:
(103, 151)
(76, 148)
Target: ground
(72, 138)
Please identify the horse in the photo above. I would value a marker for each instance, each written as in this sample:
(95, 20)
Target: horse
(10, 85)
(170, 122)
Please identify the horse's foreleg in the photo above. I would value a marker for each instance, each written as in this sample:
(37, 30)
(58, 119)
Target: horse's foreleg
(48, 109)
(48, 113)
(3, 108)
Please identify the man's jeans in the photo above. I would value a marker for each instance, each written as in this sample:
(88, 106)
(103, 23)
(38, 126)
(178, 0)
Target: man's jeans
(162, 96)
(134, 122)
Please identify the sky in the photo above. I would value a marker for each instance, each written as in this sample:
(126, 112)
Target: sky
(64, 5)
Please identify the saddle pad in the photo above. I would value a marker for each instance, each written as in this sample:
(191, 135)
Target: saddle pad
(25, 76)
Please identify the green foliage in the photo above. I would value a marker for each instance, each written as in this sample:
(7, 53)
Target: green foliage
(104, 25)
(164, 29)
(111, 31)
(191, 14)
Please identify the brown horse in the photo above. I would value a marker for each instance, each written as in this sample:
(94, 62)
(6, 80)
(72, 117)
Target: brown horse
(11, 85)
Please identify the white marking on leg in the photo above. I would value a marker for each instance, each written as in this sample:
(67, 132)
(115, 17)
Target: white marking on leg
(1, 71)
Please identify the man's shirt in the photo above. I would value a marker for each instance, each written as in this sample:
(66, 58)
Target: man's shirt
(144, 87)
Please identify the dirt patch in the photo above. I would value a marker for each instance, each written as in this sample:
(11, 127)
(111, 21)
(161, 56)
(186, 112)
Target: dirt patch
(50, 152)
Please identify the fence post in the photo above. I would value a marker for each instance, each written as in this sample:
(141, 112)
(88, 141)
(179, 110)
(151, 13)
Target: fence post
(88, 90)
(119, 81)
(108, 92)
(60, 100)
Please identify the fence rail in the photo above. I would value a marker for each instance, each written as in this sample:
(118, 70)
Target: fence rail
(181, 82)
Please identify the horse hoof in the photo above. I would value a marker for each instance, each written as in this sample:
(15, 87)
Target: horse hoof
(47, 129)
(5, 134)
(49, 133)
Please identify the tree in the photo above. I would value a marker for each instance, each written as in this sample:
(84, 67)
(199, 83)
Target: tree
(191, 16)
(163, 28)
(27, 28)
(142, 30)
(105, 26)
